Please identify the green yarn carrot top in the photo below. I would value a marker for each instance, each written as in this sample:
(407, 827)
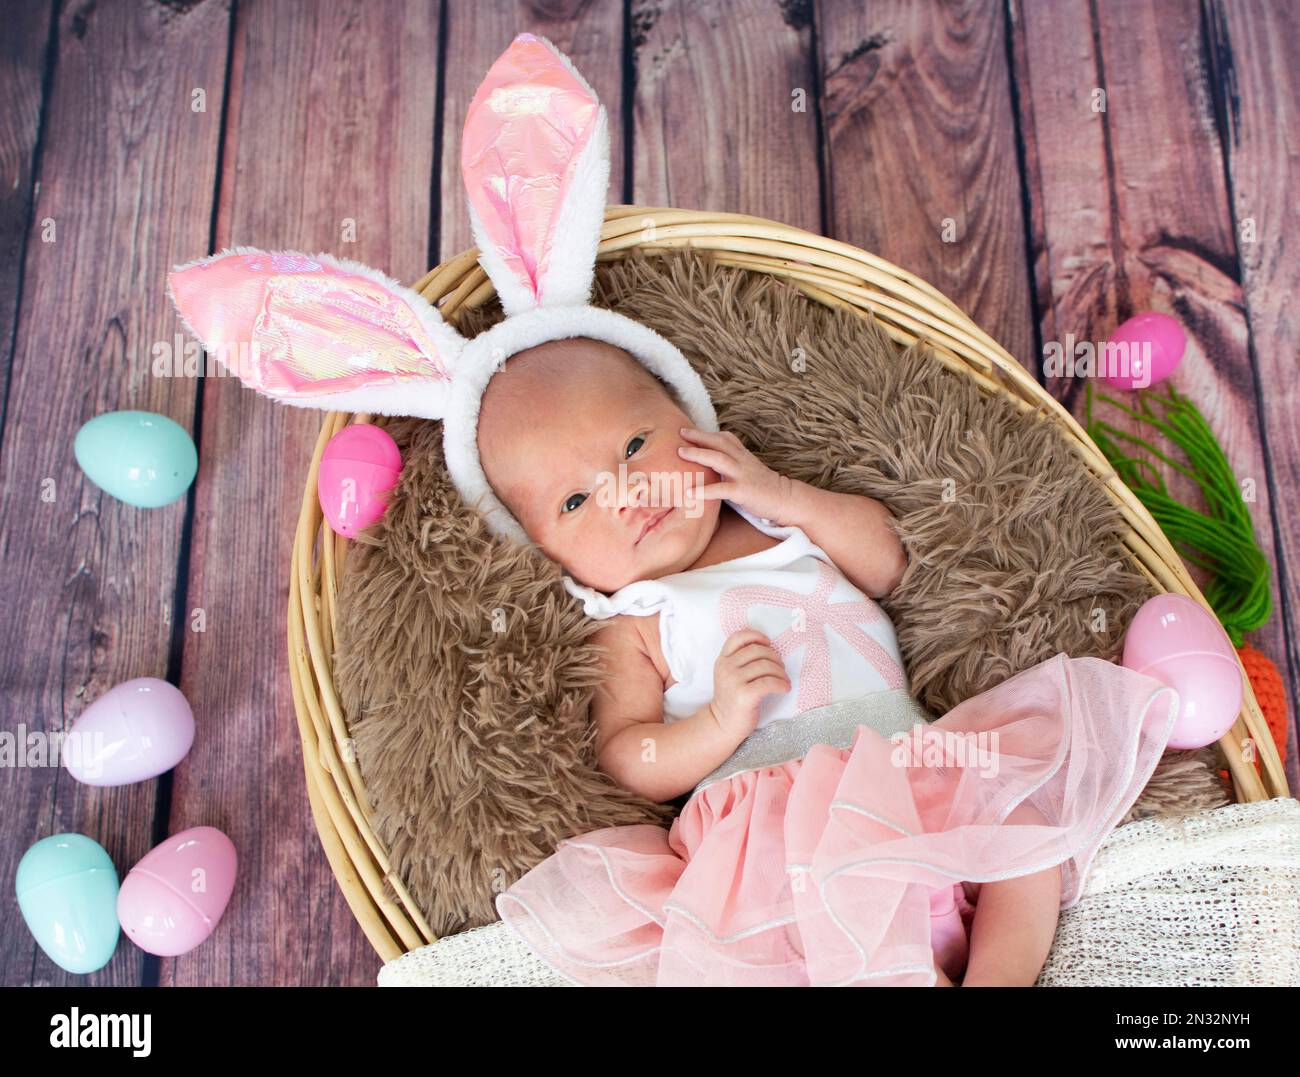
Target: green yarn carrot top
(1222, 540)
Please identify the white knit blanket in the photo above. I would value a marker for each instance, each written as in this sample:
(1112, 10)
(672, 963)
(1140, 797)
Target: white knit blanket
(1212, 900)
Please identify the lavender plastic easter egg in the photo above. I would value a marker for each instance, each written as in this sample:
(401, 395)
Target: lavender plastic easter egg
(359, 466)
(173, 898)
(1179, 642)
(1153, 345)
(133, 732)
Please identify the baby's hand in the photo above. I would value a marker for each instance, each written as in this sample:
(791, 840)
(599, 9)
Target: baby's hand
(747, 670)
(747, 480)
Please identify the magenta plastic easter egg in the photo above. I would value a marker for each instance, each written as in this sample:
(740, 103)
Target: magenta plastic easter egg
(173, 898)
(358, 468)
(1181, 643)
(1143, 351)
(134, 731)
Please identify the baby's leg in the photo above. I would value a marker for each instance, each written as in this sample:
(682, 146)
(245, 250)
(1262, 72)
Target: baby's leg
(1014, 922)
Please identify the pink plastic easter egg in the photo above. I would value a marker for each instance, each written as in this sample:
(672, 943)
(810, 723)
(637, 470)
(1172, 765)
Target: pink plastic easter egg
(359, 466)
(1181, 643)
(1136, 367)
(172, 899)
(131, 733)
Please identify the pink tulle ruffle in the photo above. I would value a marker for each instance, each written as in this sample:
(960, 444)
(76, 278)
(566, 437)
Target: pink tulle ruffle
(844, 868)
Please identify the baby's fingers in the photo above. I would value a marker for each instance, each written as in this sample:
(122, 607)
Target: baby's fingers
(751, 651)
(716, 491)
(719, 461)
(741, 637)
(764, 669)
(771, 685)
(721, 439)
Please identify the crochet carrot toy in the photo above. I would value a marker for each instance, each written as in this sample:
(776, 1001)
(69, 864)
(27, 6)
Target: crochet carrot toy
(1221, 540)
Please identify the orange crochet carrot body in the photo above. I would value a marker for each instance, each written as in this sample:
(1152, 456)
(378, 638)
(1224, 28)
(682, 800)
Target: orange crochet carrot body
(1269, 689)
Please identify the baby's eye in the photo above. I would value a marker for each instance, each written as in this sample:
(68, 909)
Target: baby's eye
(572, 502)
(634, 445)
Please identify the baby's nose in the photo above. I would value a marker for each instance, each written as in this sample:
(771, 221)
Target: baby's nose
(637, 491)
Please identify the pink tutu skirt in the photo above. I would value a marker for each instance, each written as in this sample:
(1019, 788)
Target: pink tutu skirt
(844, 867)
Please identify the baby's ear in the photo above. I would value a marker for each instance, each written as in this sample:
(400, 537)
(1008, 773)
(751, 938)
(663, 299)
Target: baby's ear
(319, 332)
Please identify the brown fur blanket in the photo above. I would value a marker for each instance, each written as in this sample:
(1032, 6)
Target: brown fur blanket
(465, 669)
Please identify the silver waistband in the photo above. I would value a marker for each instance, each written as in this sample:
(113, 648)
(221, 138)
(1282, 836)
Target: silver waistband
(885, 712)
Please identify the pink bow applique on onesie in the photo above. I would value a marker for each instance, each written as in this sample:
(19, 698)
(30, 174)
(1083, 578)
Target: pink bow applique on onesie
(820, 615)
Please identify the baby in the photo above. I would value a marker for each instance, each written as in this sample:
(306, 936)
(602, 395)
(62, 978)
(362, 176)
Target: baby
(556, 426)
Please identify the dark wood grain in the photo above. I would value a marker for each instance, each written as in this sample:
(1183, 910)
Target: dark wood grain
(725, 109)
(24, 57)
(921, 151)
(330, 118)
(125, 176)
(1135, 213)
(1254, 58)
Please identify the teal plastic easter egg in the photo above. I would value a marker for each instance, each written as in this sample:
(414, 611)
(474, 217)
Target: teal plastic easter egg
(139, 457)
(67, 893)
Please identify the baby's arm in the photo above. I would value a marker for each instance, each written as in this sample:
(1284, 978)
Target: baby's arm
(855, 531)
(662, 761)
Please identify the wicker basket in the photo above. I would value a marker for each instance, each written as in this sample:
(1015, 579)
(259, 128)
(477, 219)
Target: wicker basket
(830, 272)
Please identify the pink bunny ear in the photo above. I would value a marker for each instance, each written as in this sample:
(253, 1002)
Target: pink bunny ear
(535, 158)
(319, 332)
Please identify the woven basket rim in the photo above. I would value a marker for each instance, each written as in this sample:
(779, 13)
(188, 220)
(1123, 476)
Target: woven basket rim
(827, 270)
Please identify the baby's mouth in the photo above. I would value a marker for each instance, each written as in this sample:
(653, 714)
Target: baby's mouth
(651, 524)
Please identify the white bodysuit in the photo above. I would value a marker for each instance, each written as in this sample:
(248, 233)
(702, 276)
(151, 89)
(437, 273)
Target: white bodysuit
(835, 642)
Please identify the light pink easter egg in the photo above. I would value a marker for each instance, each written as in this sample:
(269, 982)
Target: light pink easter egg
(173, 898)
(1179, 642)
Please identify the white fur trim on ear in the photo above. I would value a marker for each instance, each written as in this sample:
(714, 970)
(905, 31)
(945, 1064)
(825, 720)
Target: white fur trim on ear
(489, 351)
(416, 397)
(571, 266)
(515, 295)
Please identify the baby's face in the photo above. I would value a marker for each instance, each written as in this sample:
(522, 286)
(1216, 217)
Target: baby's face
(555, 426)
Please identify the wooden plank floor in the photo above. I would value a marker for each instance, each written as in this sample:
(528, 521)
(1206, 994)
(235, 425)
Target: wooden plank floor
(963, 141)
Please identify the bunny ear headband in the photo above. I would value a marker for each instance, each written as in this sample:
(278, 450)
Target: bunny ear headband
(322, 332)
